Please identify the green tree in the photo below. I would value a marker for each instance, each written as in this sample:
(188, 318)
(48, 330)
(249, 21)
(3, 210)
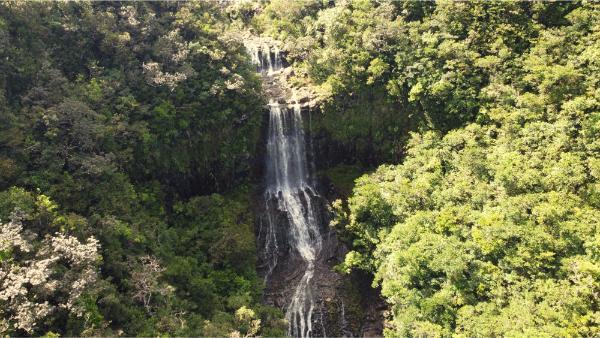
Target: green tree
(492, 229)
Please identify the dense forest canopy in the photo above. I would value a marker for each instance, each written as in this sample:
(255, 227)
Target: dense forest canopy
(128, 162)
(130, 127)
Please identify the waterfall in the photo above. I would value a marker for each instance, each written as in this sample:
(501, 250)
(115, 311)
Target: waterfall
(266, 58)
(289, 190)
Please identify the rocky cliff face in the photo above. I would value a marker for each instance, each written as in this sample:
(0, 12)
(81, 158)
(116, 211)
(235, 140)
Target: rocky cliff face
(297, 249)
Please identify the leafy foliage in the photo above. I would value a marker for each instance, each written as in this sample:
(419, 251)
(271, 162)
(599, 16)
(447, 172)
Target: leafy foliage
(388, 67)
(492, 229)
(42, 276)
(134, 123)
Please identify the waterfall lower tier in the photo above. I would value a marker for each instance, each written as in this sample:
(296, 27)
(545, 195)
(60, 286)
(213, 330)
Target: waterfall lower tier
(288, 184)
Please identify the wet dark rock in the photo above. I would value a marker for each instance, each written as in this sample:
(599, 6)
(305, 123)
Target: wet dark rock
(304, 99)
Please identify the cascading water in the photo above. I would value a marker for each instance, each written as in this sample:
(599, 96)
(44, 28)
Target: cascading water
(288, 183)
(297, 252)
(289, 190)
(266, 59)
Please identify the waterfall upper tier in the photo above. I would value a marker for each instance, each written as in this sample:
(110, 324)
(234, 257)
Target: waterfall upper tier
(278, 78)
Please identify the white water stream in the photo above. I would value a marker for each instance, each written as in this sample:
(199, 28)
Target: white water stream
(288, 182)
